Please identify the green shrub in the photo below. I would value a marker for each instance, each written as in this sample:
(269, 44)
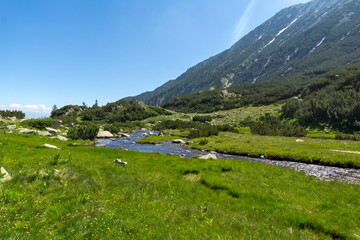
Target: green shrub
(198, 118)
(274, 126)
(343, 136)
(204, 131)
(203, 142)
(40, 124)
(85, 131)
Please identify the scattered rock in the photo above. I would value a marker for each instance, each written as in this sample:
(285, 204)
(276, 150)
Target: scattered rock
(10, 127)
(113, 139)
(299, 140)
(51, 146)
(56, 124)
(6, 175)
(26, 131)
(208, 156)
(178, 141)
(44, 133)
(52, 131)
(125, 135)
(12, 119)
(104, 134)
(62, 138)
(120, 162)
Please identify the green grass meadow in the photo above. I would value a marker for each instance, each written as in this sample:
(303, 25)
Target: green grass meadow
(163, 197)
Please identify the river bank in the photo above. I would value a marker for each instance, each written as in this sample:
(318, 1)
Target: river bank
(349, 175)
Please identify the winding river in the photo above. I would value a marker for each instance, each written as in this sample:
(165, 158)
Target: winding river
(321, 172)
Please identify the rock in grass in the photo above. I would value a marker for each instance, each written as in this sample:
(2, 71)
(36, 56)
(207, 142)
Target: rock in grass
(10, 127)
(44, 133)
(62, 138)
(178, 141)
(52, 131)
(51, 146)
(120, 162)
(208, 156)
(5, 174)
(101, 145)
(299, 140)
(26, 131)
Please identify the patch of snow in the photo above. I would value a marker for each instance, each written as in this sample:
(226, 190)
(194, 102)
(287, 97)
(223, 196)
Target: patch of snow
(280, 32)
(322, 40)
(259, 37)
(288, 58)
(254, 80)
(316, 11)
(268, 61)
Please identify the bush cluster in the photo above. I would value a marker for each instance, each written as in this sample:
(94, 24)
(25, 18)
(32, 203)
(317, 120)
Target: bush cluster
(40, 124)
(84, 131)
(353, 137)
(117, 126)
(198, 118)
(274, 126)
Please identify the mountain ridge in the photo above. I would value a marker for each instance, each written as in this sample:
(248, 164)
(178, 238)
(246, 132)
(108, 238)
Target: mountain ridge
(318, 35)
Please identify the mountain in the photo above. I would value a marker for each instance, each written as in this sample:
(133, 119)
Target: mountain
(318, 36)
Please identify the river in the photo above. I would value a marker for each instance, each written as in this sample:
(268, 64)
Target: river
(322, 172)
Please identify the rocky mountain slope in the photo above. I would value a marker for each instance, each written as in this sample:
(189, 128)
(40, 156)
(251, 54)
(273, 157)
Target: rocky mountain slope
(319, 36)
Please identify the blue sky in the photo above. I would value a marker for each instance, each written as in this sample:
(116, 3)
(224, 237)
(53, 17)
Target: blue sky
(69, 52)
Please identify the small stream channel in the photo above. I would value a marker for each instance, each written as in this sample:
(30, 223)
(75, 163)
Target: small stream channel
(322, 172)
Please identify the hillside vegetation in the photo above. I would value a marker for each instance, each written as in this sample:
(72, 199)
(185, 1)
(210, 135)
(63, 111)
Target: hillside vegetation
(120, 111)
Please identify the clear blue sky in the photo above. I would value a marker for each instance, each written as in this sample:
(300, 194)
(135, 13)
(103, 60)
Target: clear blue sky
(66, 51)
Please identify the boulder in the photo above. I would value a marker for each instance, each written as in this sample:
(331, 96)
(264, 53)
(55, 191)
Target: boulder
(104, 134)
(62, 138)
(125, 135)
(208, 156)
(101, 145)
(52, 131)
(10, 127)
(12, 119)
(51, 146)
(178, 141)
(5, 174)
(44, 133)
(56, 124)
(26, 131)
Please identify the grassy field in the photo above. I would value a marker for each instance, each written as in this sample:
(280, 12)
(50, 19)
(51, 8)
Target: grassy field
(312, 150)
(163, 197)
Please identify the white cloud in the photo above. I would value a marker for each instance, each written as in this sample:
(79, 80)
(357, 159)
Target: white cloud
(40, 108)
(243, 22)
